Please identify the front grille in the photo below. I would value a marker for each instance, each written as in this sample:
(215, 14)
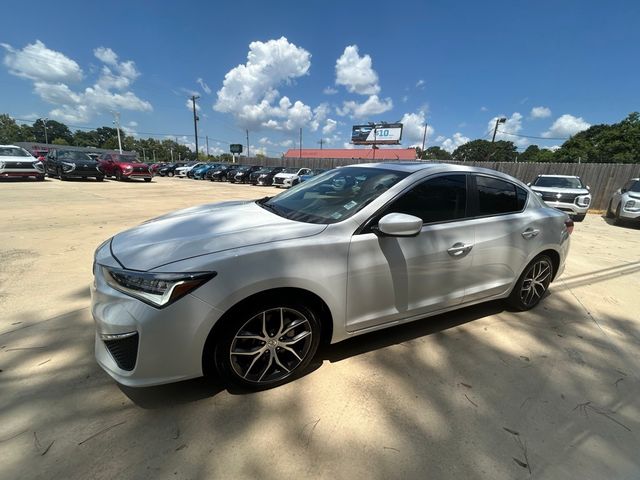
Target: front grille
(124, 351)
(140, 169)
(19, 165)
(278, 181)
(559, 197)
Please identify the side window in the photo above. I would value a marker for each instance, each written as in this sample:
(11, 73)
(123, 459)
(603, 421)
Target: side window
(497, 196)
(439, 199)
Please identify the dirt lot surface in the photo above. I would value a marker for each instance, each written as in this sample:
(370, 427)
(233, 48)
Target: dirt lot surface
(479, 393)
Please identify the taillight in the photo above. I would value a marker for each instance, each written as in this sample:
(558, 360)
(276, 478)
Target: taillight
(569, 224)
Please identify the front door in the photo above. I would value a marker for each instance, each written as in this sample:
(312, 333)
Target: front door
(391, 278)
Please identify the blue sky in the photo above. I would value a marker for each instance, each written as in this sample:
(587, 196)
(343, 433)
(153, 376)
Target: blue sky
(551, 67)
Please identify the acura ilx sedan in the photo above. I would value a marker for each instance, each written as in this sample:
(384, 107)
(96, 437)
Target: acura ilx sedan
(250, 289)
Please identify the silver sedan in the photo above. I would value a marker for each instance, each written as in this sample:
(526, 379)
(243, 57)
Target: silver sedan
(625, 202)
(251, 289)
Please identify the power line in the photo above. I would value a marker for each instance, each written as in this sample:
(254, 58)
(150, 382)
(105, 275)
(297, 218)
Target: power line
(533, 136)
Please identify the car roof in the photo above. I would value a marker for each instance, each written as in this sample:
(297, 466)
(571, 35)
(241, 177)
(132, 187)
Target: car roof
(560, 176)
(10, 146)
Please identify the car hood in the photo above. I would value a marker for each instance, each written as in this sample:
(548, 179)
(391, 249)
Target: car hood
(286, 175)
(133, 164)
(575, 191)
(203, 230)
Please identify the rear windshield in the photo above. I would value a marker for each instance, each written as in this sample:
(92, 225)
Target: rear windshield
(558, 182)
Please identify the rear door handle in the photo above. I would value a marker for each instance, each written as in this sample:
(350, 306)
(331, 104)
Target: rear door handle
(459, 249)
(530, 233)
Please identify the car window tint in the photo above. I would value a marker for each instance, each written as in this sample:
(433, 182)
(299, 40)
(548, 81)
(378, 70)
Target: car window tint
(436, 200)
(497, 196)
(522, 198)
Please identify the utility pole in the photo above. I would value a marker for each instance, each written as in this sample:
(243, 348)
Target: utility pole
(375, 138)
(154, 156)
(424, 138)
(248, 153)
(207, 138)
(116, 121)
(144, 155)
(300, 145)
(171, 151)
(495, 130)
(195, 120)
(46, 138)
(321, 142)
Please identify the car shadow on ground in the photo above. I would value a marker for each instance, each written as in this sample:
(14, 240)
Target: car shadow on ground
(628, 224)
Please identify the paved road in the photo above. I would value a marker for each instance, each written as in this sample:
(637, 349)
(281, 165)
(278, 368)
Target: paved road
(480, 393)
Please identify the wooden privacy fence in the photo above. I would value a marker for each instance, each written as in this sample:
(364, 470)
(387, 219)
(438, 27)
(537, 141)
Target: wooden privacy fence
(603, 178)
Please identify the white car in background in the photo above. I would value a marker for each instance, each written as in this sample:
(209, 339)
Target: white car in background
(16, 162)
(625, 202)
(290, 177)
(567, 193)
(182, 171)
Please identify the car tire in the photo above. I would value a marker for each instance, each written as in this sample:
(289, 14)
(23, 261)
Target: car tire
(616, 219)
(579, 218)
(532, 284)
(223, 178)
(285, 336)
(119, 175)
(40, 178)
(147, 180)
(169, 174)
(100, 179)
(609, 213)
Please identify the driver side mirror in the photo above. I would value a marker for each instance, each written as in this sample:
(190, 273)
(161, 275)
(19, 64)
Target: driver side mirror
(398, 225)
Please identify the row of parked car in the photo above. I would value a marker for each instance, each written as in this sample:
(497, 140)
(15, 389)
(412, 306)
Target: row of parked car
(563, 192)
(283, 177)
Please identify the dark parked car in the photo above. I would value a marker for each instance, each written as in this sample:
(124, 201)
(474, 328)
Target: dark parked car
(243, 173)
(66, 164)
(124, 166)
(169, 170)
(219, 174)
(265, 175)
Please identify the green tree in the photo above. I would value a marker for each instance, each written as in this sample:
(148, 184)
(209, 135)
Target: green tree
(10, 131)
(485, 151)
(59, 141)
(530, 154)
(54, 130)
(434, 153)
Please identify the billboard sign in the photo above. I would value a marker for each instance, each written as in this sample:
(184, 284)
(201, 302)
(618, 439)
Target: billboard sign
(378, 134)
(236, 148)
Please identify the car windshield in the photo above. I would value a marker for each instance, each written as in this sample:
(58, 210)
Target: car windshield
(333, 196)
(73, 155)
(558, 182)
(635, 187)
(128, 158)
(264, 170)
(13, 152)
(290, 170)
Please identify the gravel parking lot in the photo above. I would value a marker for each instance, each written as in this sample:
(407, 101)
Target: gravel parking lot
(478, 393)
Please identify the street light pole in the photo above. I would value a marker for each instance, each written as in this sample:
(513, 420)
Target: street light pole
(46, 138)
(195, 120)
(116, 116)
(495, 130)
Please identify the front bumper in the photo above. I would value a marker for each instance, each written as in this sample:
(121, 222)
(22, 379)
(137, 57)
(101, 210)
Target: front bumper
(20, 173)
(169, 342)
(570, 208)
(137, 175)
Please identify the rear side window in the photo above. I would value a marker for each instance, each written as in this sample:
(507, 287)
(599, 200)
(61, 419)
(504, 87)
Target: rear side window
(439, 199)
(497, 196)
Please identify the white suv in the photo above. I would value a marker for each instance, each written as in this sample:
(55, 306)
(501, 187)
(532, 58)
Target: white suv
(564, 192)
(290, 177)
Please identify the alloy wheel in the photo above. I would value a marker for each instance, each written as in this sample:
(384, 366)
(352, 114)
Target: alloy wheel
(536, 282)
(271, 345)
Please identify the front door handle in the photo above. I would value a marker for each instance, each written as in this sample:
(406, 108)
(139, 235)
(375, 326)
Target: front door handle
(459, 249)
(530, 233)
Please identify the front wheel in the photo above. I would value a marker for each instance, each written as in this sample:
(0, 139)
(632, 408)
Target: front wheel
(532, 284)
(169, 174)
(616, 219)
(579, 218)
(609, 213)
(100, 179)
(266, 346)
(147, 180)
(119, 175)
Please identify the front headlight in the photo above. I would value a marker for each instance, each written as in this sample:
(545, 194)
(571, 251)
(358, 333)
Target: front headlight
(156, 289)
(37, 165)
(583, 201)
(68, 167)
(632, 206)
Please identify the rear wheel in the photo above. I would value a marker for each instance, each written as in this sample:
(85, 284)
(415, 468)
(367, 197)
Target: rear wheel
(267, 345)
(532, 284)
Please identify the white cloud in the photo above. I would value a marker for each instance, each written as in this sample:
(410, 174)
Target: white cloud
(249, 90)
(329, 91)
(189, 105)
(405, 98)
(413, 128)
(372, 106)
(566, 126)
(484, 109)
(329, 127)
(450, 144)
(37, 62)
(420, 84)
(286, 143)
(356, 73)
(540, 112)
(204, 86)
(512, 126)
(51, 72)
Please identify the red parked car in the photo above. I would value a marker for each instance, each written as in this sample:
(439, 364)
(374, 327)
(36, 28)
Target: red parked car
(124, 166)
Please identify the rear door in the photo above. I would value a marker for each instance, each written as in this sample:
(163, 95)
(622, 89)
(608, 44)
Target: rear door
(391, 278)
(505, 234)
